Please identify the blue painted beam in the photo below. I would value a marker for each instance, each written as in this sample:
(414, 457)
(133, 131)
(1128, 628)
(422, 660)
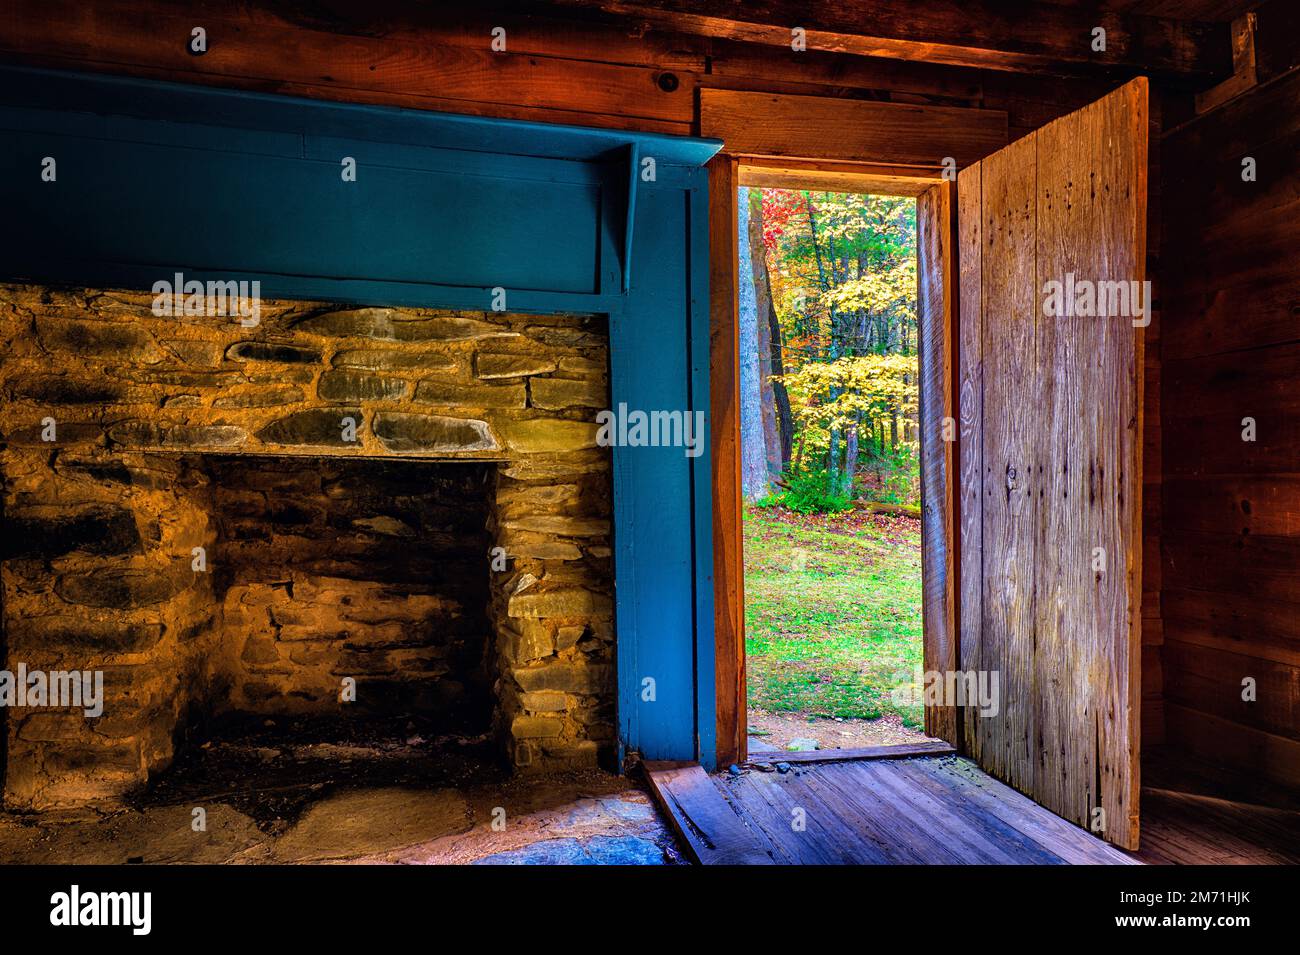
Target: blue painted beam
(127, 96)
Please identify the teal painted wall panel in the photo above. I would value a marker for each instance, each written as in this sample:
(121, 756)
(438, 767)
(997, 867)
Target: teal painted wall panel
(256, 212)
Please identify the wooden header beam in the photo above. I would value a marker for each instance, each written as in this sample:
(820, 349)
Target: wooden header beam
(817, 127)
(866, 178)
(977, 33)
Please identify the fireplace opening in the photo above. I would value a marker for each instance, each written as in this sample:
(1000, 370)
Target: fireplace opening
(352, 588)
(341, 636)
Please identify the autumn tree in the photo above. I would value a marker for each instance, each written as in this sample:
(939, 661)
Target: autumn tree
(837, 282)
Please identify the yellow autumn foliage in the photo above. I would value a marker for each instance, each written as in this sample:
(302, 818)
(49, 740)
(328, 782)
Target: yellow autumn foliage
(826, 395)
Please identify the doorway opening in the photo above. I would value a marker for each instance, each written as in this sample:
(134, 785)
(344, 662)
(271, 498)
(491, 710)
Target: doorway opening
(830, 468)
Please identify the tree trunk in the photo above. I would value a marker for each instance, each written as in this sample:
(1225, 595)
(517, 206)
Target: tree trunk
(763, 302)
(753, 450)
(785, 416)
(850, 459)
(832, 345)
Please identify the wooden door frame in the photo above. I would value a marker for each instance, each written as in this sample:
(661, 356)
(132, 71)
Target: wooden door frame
(937, 338)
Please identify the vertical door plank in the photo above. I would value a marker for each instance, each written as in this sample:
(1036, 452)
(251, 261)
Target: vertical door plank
(934, 313)
(1012, 428)
(1063, 667)
(970, 356)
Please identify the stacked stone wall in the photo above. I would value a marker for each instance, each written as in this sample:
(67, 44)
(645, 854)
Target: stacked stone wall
(130, 439)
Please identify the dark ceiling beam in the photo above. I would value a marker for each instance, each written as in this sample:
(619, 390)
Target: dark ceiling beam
(1009, 35)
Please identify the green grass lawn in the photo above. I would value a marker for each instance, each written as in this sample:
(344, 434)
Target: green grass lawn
(833, 613)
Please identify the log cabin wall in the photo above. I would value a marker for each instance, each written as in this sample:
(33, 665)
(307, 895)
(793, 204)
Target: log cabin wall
(1152, 720)
(1230, 592)
(590, 70)
(616, 74)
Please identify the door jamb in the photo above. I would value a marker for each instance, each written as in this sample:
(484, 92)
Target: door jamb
(936, 204)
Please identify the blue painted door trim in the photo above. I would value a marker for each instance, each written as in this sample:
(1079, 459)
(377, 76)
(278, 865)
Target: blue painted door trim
(663, 534)
(702, 473)
(154, 178)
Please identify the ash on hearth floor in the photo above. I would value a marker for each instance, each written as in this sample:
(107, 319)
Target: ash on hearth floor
(272, 769)
(308, 791)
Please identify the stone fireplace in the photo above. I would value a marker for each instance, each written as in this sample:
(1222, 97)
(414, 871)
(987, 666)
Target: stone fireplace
(338, 511)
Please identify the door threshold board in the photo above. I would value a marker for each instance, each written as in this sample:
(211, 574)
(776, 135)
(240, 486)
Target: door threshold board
(901, 751)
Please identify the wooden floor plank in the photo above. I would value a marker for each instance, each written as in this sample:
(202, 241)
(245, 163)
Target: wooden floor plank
(711, 830)
(1045, 828)
(1190, 829)
(1197, 812)
(909, 840)
(982, 835)
(1023, 848)
(766, 823)
(871, 814)
(769, 801)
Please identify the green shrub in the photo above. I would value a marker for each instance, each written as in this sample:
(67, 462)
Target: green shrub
(891, 475)
(806, 493)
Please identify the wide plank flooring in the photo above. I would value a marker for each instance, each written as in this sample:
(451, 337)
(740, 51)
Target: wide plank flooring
(943, 809)
(922, 810)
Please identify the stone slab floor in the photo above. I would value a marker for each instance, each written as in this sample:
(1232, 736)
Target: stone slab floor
(279, 797)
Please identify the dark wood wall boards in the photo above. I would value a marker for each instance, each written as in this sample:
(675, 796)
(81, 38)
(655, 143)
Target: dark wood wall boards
(1230, 590)
(1052, 37)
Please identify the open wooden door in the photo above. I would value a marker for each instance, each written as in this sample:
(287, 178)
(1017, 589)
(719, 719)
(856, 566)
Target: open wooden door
(1052, 248)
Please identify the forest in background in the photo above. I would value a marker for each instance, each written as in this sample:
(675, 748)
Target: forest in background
(828, 349)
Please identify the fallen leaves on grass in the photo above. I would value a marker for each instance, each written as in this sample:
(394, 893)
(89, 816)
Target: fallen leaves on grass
(833, 611)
